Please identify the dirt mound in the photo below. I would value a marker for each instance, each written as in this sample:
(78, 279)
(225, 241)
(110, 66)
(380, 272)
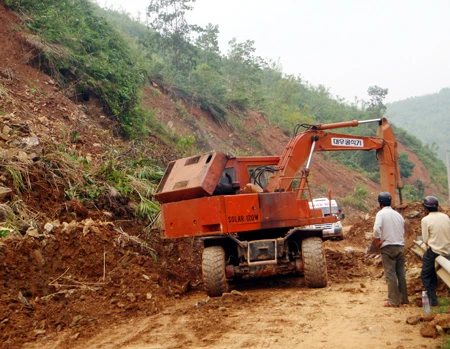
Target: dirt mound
(361, 230)
(87, 273)
(348, 265)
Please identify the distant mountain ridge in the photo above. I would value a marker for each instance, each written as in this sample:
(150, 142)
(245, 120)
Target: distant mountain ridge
(427, 117)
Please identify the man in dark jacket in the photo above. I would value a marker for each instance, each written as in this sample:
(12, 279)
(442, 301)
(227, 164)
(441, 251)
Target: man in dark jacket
(436, 235)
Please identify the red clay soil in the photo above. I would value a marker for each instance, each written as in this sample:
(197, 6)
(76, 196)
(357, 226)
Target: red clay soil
(85, 275)
(88, 274)
(85, 271)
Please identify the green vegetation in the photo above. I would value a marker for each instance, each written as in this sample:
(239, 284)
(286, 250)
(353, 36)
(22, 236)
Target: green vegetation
(412, 193)
(184, 144)
(356, 199)
(406, 166)
(446, 345)
(444, 305)
(4, 232)
(132, 180)
(110, 55)
(88, 54)
(122, 178)
(426, 154)
(17, 174)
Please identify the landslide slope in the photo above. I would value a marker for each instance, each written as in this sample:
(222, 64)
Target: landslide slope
(66, 263)
(251, 134)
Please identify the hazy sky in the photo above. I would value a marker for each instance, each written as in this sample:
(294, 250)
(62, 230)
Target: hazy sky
(345, 45)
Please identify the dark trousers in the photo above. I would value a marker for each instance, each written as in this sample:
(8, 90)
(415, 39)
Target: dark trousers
(393, 257)
(428, 275)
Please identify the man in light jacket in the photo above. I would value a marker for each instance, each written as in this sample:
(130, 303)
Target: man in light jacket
(389, 235)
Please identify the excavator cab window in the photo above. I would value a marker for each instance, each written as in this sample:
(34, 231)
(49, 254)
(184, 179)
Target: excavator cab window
(228, 176)
(260, 175)
(326, 210)
(227, 183)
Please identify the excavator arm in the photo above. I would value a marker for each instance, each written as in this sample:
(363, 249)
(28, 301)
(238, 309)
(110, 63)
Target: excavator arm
(301, 148)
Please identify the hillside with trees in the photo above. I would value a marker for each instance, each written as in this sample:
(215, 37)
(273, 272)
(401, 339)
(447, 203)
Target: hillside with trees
(106, 58)
(227, 85)
(426, 117)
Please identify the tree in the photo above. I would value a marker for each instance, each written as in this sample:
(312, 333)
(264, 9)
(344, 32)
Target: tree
(377, 95)
(208, 43)
(167, 17)
(208, 87)
(242, 70)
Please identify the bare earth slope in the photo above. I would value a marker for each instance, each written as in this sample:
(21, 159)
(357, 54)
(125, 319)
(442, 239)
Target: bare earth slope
(267, 139)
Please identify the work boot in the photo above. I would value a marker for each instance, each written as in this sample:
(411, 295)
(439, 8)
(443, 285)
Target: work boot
(432, 296)
(404, 299)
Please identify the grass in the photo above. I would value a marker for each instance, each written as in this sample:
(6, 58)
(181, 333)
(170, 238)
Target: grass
(443, 307)
(17, 173)
(4, 232)
(78, 48)
(4, 93)
(64, 170)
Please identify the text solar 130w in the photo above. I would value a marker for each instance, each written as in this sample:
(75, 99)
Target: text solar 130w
(348, 142)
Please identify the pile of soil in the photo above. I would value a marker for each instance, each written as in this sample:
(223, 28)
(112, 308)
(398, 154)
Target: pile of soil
(88, 273)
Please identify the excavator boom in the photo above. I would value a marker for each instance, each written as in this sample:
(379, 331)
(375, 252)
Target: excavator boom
(316, 138)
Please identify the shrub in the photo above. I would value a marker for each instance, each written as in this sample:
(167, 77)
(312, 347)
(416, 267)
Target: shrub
(356, 199)
(406, 166)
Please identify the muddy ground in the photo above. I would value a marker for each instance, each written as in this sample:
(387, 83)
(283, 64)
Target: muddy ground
(90, 286)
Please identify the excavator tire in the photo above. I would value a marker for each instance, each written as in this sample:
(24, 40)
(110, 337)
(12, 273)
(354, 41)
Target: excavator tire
(315, 268)
(213, 268)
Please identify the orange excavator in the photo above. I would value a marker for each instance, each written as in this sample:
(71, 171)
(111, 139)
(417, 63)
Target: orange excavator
(252, 212)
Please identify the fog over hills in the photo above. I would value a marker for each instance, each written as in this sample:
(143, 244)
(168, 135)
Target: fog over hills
(426, 117)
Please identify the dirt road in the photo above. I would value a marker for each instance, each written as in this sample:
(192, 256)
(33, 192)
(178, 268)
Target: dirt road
(270, 313)
(345, 316)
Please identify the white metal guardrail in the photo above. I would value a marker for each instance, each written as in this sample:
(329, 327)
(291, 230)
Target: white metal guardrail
(442, 263)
